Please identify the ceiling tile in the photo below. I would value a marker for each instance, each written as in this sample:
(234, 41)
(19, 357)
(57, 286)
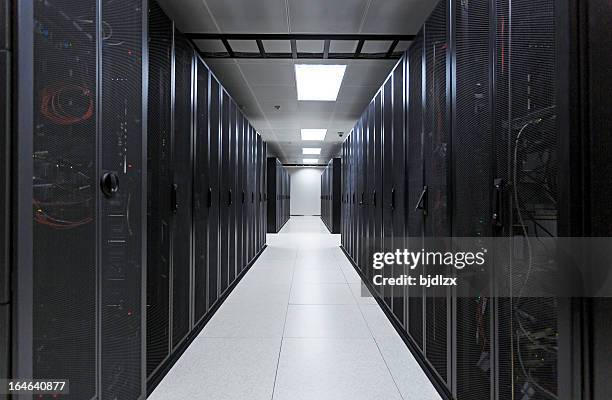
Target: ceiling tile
(375, 46)
(245, 46)
(261, 16)
(397, 16)
(277, 46)
(343, 46)
(210, 46)
(275, 92)
(269, 73)
(310, 46)
(324, 16)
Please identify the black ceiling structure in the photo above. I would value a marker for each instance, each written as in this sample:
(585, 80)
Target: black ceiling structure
(292, 38)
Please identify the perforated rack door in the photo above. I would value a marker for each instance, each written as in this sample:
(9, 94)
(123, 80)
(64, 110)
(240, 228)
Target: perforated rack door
(239, 198)
(182, 190)
(473, 182)
(65, 187)
(527, 132)
(224, 182)
(159, 180)
(201, 194)
(437, 154)
(387, 178)
(415, 176)
(214, 106)
(231, 193)
(121, 219)
(398, 199)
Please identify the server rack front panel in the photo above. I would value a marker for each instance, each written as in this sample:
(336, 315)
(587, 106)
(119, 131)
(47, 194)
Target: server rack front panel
(181, 190)
(201, 195)
(159, 182)
(65, 166)
(214, 272)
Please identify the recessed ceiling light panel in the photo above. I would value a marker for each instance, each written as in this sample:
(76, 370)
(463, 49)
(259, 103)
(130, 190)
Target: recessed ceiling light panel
(311, 150)
(313, 134)
(310, 160)
(318, 82)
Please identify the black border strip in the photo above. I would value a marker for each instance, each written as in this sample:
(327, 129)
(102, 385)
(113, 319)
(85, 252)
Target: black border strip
(165, 367)
(433, 377)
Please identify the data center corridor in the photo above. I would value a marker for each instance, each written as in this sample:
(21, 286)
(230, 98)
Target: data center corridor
(297, 327)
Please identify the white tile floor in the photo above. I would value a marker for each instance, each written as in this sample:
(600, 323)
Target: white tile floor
(297, 328)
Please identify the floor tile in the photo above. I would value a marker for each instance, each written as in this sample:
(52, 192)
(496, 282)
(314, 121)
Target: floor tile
(254, 320)
(332, 369)
(326, 321)
(318, 275)
(321, 293)
(222, 369)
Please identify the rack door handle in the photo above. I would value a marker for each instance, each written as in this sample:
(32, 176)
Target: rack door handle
(209, 200)
(422, 202)
(393, 199)
(498, 190)
(229, 197)
(243, 197)
(109, 184)
(174, 198)
(374, 198)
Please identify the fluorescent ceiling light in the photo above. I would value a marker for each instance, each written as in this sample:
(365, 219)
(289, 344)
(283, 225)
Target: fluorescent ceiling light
(311, 151)
(313, 134)
(310, 160)
(318, 82)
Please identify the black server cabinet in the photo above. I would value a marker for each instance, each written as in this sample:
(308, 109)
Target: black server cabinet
(245, 193)
(252, 189)
(80, 178)
(201, 206)
(5, 181)
(238, 192)
(527, 126)
(417, 190)
(258, 193)
(231, 193)
(159, 217)
(224, 184)
(387, 178)
(264, 195)
(182, 189)
(277, 194)
(360, 193)
(331, 181)
(377, 166)
(371, 179)
(399, 187)
(472, 186)
(214, 188)
(436, 146)
(123, 151)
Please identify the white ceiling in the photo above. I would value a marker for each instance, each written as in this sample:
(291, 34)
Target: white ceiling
(260, 85)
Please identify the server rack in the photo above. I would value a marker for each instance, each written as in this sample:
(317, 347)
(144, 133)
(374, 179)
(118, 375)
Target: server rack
(5, 183)
(278, 198)
(331, 195)
(80, 177)
(506, 148)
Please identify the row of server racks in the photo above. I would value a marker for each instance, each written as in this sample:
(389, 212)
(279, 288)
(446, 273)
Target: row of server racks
(331, 186)
(491, 125)
(278, 195)
(135, 195)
